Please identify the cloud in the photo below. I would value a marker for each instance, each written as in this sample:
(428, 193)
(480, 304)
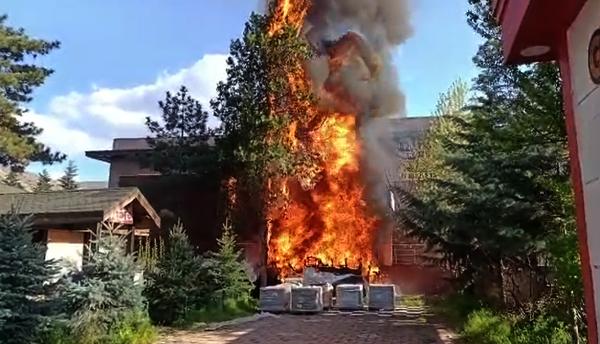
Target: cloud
(80, 121)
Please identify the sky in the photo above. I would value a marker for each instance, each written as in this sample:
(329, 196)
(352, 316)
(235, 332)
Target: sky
(118, 58)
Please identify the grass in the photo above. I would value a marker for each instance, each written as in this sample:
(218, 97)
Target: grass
(413, 301)
(229, 310)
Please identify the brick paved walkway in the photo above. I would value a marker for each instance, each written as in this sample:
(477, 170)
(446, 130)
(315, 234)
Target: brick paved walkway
(320, 329)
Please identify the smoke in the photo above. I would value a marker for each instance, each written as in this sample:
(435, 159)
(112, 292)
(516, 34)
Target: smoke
(358, 37)
(354, 73)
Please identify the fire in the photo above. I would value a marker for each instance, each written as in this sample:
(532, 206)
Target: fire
(329, 220)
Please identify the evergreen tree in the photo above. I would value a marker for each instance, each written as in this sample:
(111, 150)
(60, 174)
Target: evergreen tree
(24, 271)
(104, 294)
(44, 183)
(228, 270)
(181, 144)
(67, 181)
(19, 79)
(179, 282)
(12, 179)
(504, 199)
(257, 106)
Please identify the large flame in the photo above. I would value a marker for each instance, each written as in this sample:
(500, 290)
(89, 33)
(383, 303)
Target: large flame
(330, 220)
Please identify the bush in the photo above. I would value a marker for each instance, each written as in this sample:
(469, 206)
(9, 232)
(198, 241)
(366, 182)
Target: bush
(457, 308)
(135, 328)
(544, 330)
(178, 283)
(228, 310)
(485, 327)
(58, 333)
(24, 272)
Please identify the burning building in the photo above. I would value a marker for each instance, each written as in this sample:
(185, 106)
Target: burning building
(342, 220)
(357, 126)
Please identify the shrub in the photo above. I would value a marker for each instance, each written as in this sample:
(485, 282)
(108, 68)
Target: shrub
(134, 329)
(229, 309)
(178, 282)
(101, 296)
(23, 273)
(544, 330)
(485, 327)
(456, 308)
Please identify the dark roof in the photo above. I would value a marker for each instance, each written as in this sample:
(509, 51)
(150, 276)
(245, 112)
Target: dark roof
(100, 201)
(127, 148)
(5, 189)
(109, 155)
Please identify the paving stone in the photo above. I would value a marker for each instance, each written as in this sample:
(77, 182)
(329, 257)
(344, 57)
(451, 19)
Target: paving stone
(320, 329)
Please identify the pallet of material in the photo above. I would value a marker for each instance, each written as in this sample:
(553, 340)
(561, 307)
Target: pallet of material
(275, 299)
(307, 299)
(349, 297)
(327, 296)
(382, 297)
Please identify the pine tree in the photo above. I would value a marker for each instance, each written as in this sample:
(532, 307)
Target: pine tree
(228, 270)
(181, 142)
(20, 77)
(257, 107)
(179, 282)
(44, 183)
(104, 293)
(12, 179)
(67, 181)
(24, 271)
(504, 200)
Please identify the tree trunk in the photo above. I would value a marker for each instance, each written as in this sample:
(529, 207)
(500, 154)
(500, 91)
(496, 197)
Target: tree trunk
(264, 253)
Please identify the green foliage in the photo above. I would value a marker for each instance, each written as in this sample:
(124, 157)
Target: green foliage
(18, 80)
(257, 106)
(228, 271)
(44, 183)
(24, 273)
(181, 144)
(102, 296)
(149, 253)
(12, 179)
(545, 330)
(456, 308)
(58, 333)
(499, 193)
(229, 310)
(67, 181)
(179, 283)
(485, 327)
(135, 328)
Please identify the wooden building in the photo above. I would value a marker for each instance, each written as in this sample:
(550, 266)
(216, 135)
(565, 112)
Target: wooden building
(65, 220)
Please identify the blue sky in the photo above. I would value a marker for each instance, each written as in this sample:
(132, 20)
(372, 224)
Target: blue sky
(119, 57)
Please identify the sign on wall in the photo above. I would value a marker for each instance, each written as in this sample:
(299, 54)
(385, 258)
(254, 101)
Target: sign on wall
(122, 216)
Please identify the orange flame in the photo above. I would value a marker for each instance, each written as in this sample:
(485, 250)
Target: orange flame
(330, 221)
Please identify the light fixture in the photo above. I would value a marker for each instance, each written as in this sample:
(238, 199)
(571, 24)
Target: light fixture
(536, 50)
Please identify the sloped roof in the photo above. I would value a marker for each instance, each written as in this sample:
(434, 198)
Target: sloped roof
(5, 189)
(102, 201)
